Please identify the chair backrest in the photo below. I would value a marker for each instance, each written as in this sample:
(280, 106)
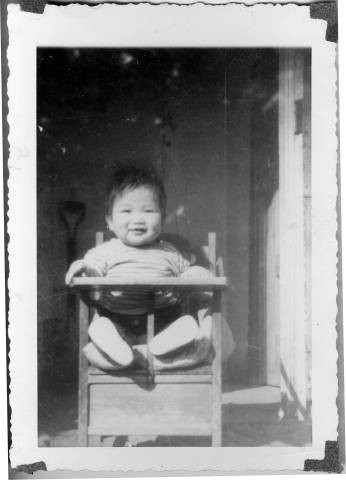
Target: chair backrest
(99, 238)
(215, 263)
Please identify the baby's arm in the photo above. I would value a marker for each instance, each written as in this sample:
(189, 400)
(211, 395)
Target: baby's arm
(92, 265)
(82, 267)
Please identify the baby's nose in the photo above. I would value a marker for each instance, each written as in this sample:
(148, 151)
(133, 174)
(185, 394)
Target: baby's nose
(137, 217)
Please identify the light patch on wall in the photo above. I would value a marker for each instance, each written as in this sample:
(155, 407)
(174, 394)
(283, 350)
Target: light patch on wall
(177, 213)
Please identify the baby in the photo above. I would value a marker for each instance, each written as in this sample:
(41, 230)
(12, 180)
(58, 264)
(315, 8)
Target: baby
(135, 210)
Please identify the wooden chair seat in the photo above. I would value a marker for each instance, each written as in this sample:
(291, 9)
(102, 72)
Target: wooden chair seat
(197, 370)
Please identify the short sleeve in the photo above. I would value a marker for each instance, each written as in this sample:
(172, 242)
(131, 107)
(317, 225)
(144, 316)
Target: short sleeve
(98, 257)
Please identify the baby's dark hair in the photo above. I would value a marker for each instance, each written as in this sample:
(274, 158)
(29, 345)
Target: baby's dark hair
(129, 177)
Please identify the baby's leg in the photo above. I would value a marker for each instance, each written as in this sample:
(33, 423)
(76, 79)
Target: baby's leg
(205, 333)
(205, 323)
(104, 333)
(200, 301)
(178, 334)
(198, 351)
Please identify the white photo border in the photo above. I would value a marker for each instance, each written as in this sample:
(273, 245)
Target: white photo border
(166, 26)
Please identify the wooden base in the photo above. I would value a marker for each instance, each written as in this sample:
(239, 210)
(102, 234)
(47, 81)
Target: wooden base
(167, 409)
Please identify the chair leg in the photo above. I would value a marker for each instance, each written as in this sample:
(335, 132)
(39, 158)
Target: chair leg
(83, 392)
(150, 335)
(216, 369)
(217, 435)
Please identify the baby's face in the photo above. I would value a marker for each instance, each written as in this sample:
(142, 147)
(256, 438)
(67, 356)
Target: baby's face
(136, 217)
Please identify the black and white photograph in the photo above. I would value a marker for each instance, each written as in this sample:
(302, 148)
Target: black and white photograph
(200, 128)
(178, 239)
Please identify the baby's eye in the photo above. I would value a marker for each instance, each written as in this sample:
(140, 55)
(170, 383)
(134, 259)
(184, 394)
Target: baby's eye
(125, 210)
(149, 210)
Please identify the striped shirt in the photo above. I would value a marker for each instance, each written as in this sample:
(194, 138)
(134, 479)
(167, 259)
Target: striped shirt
(114, 259)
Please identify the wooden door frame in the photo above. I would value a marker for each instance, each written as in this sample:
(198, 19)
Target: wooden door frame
(295, 229)
(294, 234)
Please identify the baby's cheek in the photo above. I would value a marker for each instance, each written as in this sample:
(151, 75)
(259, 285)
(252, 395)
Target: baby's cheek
(158, 226)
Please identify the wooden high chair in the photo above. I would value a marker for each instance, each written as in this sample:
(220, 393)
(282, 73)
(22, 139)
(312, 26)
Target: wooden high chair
(178, 403)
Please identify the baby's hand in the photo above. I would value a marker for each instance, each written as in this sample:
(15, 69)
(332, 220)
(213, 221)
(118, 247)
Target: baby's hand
(75, 267)
(80, 266)
(197, 272)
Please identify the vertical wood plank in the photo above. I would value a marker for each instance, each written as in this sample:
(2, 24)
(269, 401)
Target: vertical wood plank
(306, 122)
(216, 368)
(292, 256)
(272, 350)
(83, 403)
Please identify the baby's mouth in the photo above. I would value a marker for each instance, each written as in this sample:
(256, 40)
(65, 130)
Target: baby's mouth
(138, 231)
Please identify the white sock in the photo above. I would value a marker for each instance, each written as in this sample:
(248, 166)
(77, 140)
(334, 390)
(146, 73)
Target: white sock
(106, 337)
(178, 334)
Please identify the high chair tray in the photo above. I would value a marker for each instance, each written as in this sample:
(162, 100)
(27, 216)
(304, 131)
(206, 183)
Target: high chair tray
(214, 283)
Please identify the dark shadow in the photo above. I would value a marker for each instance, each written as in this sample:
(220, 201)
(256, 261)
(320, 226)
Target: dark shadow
(163, 441)
(120, 441)
(58, 412)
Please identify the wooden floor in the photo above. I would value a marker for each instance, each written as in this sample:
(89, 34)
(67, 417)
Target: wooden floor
(249, 418)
